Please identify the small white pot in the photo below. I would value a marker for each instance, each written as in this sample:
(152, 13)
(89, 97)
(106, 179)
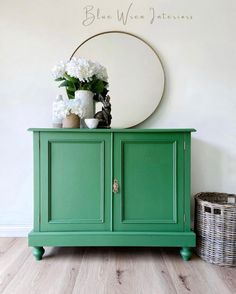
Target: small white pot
(91, 123)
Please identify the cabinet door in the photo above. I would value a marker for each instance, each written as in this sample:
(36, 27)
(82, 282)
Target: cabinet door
(73, 169)
(149, 168)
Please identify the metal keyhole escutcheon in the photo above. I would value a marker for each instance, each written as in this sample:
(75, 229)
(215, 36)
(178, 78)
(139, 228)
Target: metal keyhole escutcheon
(115, 186)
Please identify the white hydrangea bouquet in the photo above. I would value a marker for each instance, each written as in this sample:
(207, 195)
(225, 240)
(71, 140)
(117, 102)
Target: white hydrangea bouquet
(79, 75)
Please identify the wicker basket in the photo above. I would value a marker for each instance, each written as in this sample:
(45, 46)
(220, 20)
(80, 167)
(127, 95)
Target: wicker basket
(215, 226)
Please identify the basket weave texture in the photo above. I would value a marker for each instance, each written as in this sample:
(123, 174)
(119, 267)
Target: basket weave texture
(215, 226)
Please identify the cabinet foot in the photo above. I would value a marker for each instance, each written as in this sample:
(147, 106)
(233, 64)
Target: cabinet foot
(186, 253)
(38, 252)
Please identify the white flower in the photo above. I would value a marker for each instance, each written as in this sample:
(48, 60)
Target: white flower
(101, 72)
(65, 106)
(80, 68)
(59, 70)
(60, 110)
(75, 107)
(59, 98)
(84, 69)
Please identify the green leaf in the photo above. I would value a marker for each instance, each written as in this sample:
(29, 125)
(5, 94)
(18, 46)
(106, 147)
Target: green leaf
(104, 92)
(97, 86)
(59, 79)
(70, 94)
(105, 83)
(71, 89)
(71, 79)
(63, 84)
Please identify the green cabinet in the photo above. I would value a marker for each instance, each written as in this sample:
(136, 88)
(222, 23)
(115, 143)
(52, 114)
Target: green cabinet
(111, 188)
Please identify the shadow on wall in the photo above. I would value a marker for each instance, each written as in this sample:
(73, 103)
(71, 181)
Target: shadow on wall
(207, 168)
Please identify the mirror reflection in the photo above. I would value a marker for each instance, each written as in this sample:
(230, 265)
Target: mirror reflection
(136, 75)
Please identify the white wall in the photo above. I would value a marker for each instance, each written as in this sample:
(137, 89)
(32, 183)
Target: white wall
(200, 63)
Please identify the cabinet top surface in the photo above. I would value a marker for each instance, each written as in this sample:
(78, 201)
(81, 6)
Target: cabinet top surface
(74, 130)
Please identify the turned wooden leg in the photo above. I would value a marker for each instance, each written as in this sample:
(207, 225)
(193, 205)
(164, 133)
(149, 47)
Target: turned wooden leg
(186, 253)
(38, 252)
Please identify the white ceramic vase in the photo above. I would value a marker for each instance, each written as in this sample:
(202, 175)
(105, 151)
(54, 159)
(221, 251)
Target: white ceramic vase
(87, 103)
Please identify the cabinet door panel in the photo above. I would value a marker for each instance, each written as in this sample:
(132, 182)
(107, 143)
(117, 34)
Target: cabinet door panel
(151, 193)
(74, 168)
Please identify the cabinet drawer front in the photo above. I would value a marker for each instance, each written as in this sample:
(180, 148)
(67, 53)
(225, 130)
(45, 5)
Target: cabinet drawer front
(150, 171)
(73, 188)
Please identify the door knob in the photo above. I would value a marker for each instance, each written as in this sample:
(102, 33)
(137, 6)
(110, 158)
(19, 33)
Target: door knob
(115, 186)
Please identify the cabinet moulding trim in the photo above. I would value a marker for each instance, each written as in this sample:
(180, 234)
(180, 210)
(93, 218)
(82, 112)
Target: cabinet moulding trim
(149, 221)
(77, 221)
(49, 220)
(174, 143)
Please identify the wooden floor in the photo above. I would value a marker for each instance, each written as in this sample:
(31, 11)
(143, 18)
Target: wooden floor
(108, 271)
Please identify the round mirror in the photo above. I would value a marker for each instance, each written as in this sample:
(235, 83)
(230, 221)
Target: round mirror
(136, 76)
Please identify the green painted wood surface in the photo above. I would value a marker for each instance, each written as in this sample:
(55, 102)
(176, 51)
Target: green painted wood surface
(73, 200)
(75, 181)
(75, 130)
(152, 239)
(150, 170)
(37, 186)
(187, 181)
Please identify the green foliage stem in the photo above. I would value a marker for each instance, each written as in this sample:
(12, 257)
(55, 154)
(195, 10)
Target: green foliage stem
(95, 85)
